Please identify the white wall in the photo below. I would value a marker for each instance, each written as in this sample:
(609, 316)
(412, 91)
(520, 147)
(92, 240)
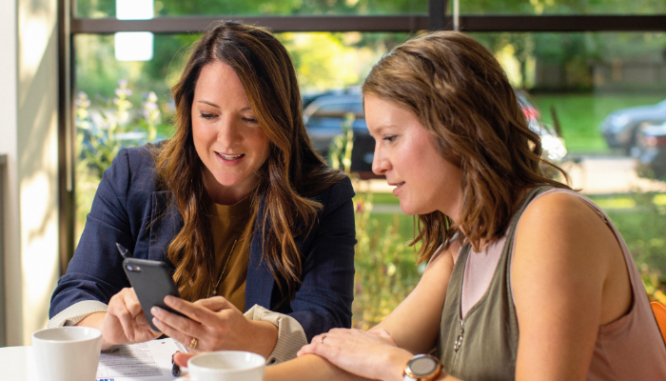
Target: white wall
(28, 135)
(8, 139)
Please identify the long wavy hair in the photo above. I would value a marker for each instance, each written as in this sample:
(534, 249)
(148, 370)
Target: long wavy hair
(291, 175)
(462, 97)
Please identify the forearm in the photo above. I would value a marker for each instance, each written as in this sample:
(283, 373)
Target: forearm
(308, 368)
(96, 320)
(264, 338)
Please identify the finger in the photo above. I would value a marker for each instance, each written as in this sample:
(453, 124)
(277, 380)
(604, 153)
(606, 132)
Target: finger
(126, 320)
(181, 358)
(132, 304)
(315, 348)
(172, 332)
(187, 326)
(315, 339)
(305, 350)
(215, 304)
(193, 311)
(142, 323)
(381, 332)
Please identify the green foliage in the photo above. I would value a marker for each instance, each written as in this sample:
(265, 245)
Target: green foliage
(643, 228)
(642, 223)
(102, 130)
(386, 270)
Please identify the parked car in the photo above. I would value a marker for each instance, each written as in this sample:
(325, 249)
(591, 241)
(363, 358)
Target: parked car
(620, 127)
(325, 114)
(651, 147)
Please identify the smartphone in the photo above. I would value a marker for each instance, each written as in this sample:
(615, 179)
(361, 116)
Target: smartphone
(152, 281)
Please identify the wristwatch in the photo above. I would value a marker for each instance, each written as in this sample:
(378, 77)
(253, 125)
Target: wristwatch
(422, 368)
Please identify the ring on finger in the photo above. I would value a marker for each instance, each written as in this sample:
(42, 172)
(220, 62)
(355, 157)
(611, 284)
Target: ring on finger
(322, 338)
(193, 343)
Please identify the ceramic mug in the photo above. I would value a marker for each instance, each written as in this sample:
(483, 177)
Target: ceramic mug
(226, 366)
(67, 353)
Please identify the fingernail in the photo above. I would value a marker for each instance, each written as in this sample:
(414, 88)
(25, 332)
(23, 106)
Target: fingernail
(156, 321)
(169, 299)
(154, 310)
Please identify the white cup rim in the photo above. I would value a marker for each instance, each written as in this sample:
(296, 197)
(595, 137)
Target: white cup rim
(96, 334)
(200, 368)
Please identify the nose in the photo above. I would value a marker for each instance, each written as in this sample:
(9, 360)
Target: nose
(227, 132)
(380, 163)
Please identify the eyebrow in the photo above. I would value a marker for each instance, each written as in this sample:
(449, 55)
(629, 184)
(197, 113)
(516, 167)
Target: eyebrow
(380, 129)
(216, 106)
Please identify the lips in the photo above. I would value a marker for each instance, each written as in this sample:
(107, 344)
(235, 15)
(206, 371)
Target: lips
(397, 188)
(230, 157)
(227, 158)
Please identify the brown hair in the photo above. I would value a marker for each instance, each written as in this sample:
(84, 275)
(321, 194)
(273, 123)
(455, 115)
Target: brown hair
(292, 173)
(463, 98)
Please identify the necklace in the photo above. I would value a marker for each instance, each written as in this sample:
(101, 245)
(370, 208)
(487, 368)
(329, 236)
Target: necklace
(224, 268)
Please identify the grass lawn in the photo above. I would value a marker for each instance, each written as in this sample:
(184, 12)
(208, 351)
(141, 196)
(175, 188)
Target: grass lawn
(581, 114)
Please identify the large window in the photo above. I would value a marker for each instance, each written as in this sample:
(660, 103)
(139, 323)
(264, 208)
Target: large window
(576, 72)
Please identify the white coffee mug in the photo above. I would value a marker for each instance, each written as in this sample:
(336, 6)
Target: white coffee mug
(226, 366)
(67, 353)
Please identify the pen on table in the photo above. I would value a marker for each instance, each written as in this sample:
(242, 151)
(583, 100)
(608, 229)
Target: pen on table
(175, 369)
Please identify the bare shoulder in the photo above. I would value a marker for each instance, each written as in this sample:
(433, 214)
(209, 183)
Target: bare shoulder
(443, 259)
(560, 215)
(560, 236)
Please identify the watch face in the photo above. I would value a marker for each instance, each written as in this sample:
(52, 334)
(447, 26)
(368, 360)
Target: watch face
(423, 366)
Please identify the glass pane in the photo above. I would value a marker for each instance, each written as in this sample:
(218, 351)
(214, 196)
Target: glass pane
(114, 110)
(107, 8)
(594, 86)
(554, 7)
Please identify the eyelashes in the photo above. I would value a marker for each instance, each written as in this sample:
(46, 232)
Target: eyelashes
(213, 116)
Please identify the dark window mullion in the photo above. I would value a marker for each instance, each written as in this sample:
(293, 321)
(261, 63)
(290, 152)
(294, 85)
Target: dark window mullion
(396, 23)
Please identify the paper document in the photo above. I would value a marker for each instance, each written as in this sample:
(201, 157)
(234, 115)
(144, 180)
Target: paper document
(149, 361)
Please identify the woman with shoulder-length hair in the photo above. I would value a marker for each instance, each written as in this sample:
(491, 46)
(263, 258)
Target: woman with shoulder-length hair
(526, 278)
(237, 202)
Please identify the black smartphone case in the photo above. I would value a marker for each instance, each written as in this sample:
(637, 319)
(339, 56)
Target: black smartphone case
(152, 281)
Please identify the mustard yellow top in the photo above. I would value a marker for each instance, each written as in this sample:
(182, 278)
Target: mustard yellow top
(230, 223)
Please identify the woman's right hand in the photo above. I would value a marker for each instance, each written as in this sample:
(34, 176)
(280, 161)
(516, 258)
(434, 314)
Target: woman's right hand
(125, 321)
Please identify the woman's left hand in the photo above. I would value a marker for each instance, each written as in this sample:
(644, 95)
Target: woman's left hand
(370, 354)
(216, 324)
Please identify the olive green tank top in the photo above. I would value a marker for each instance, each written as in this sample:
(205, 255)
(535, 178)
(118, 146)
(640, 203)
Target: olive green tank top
(484, 344)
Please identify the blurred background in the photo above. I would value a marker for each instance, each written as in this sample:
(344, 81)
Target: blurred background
(590, 76)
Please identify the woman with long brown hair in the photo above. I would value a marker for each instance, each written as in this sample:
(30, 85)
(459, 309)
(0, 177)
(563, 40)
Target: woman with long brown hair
(526, 278)
(239, 205)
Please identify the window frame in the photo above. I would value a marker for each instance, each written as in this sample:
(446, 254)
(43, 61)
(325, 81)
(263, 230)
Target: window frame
(435, 19)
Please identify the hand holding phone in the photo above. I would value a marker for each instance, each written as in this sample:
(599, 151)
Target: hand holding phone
(124, 322)
(152, 281)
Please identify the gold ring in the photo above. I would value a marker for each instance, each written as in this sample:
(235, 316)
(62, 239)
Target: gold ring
(322, 338)
(193, 343)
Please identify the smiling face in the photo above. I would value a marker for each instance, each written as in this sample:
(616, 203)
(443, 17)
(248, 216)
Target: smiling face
(226, 134)
(405, 153)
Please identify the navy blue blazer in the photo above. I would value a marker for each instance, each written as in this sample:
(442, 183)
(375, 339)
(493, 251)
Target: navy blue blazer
(126, 210)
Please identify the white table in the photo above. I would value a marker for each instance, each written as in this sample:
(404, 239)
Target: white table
(17, 364)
